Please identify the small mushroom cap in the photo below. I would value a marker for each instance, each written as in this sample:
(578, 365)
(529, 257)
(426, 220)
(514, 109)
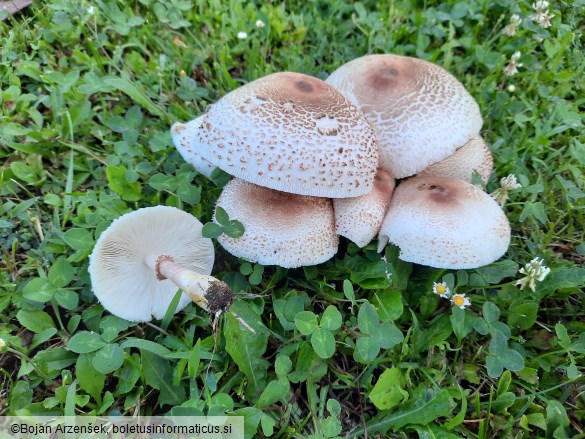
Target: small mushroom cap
(359, 218)
(183, 135)
(120, 277)
(475, 155)
(419, 112)
(445, 223)
(294, 133)
(280, 228)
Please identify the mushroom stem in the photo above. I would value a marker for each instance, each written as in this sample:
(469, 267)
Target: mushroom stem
(208, 292)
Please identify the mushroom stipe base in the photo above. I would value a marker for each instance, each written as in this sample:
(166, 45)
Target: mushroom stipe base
(211, 294)
(219, 297)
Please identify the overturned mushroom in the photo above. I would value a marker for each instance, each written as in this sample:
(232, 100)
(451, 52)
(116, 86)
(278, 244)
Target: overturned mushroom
(445, 223)
(475, 155)
(141, 260)
(419, 112)
(359, 219)
(281, 229)
(290, 132)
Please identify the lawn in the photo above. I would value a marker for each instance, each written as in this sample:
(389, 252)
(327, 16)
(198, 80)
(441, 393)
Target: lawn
(357, 346)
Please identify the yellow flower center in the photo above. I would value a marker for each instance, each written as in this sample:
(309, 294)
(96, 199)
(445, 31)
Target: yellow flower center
(441, 289)
(458, 300)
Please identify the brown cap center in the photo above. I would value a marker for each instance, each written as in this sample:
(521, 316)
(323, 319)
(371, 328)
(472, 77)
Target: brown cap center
(439, 193)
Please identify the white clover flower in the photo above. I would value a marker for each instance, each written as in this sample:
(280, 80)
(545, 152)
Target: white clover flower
(512, 67)
(535, 271)
(90, 10)
(510, 29)
(541, 14)
(242, 35)
(511, 88)
(260, 24)
(545, 19)
(507, 184)
(2, 343)
(460, 300)
(441, 289)
(540, 5)
(500, 195)
(510, 182)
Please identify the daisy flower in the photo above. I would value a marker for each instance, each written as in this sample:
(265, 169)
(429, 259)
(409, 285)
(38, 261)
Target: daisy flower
(460, 300)
(242, 35)
(260, 24)
(441, 289)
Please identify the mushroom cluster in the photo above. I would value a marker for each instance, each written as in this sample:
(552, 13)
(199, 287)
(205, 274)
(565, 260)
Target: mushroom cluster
(313, 160)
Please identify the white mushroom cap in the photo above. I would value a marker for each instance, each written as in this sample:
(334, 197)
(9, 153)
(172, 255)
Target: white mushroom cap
(294, 133)
(475, 155)
(420, 113)
(445, 223)
(120, 274)
(280, 228)
(359, 219)
(184, 139)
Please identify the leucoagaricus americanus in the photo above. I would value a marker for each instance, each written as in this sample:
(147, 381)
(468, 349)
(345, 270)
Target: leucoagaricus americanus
(445, 223)
(420, 113)
(282, 229)
(359, 219)
(475, 155)
(141, 260)
(184, 139)
(290, 132)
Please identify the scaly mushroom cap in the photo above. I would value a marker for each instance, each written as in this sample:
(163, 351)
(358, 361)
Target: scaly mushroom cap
(419, 112)
(291, 132)
(475, 155)
(445, 223)
(184, 139)
(120, 277)
(280, 228)
(359, 219)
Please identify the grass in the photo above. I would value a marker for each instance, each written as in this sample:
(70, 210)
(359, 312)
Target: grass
(88, 93)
